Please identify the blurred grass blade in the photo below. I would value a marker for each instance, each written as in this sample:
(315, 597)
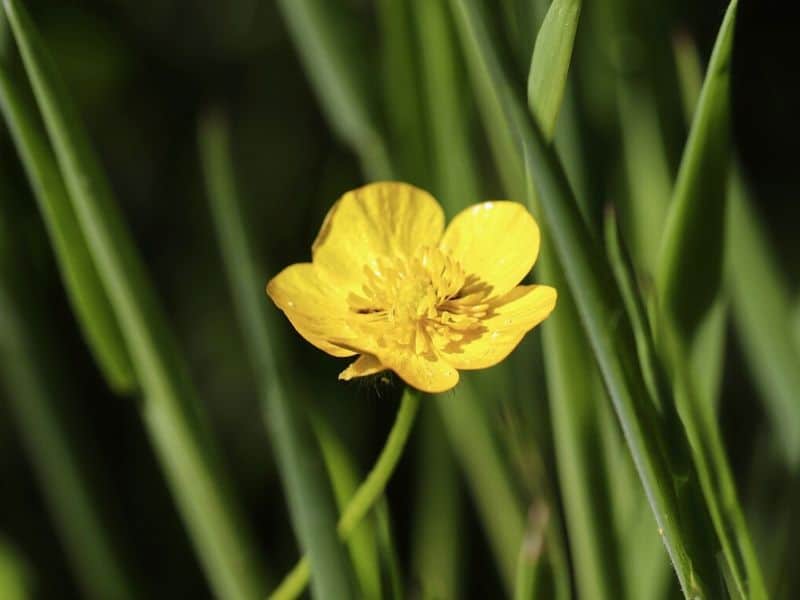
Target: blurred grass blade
(170, 409)
(309, 497)
(438, 517)
(402, 96)
(14, 575)
(31, 377)
(362, 543)
(762, 312)
(597, 301)
(574, 401)
(759, 292)
(689, 282)
(527, 586)
(485, 472)
(83, 285)
(550, 63)
(328, 45)
(454, 167)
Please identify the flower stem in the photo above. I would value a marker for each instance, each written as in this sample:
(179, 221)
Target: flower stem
(366, 495)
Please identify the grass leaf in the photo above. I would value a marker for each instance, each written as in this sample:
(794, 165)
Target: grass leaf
(309, 497)
(550, 63)
(84, 288)
(170, 409)
(327, 43)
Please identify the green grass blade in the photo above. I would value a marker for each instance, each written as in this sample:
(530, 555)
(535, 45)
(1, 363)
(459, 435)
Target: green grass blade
(550, 63)
(14, 575)
(402, 93)
(327, 43)
(170, 408)
(485, 472)
(527, 583)
(689, 285)
(762, 311)
(598, 302)
(310, 500)
(454, 167)
(437, 514)
(362, 543)
(31, 376)
(84, 288)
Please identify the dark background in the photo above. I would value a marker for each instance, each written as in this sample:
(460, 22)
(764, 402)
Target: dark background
(142, 73)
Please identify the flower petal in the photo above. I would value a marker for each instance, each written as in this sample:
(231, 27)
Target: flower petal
(384, 219)
(426, 372)
(316, 309)
(514, 315)
(496, 241)
(366, 364)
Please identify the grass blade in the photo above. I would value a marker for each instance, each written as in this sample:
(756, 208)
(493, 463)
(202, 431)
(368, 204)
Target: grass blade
(597, 300)
(14, 576)
(689, 284)
(170, 409)
(310, 500)
(550, 63)
(84, 288)
(454, 167)
(35, 396)
(327, 44)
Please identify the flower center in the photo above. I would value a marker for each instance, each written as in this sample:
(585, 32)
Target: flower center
(423, 302)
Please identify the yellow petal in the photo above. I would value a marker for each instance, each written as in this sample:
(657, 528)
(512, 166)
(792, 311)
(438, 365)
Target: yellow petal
(514, 315)
(496, 241)
(384, 219)
(316, 309)
(366, 364)
(426, 372)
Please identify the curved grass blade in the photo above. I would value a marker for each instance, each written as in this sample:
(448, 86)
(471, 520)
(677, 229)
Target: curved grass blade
(689, 284)
(326, 41)
(550, 63)
(598, 302)
(14, 574)
(310, 500)
(32, 378)
(170, 409)
(84, 288)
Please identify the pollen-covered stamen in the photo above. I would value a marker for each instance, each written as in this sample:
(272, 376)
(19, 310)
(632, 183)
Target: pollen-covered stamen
(423, 302)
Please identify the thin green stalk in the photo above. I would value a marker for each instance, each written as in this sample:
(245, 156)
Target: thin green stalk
(35, 395)
(368, 493)
(84, 288)
(171, 412)
(328, 45)
(310, 499)
(526, 584)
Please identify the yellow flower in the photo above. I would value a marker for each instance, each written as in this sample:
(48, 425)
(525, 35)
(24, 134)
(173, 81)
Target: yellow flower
(388, 283)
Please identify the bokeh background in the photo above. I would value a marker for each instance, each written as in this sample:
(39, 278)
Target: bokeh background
(142, 74)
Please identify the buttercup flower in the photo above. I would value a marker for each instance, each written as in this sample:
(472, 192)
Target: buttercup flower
(387, 282)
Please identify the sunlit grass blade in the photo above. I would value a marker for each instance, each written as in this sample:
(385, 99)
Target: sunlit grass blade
(309, 497)
(170, 409)
(550, 63)
(84, 288)
(760, 299)
(15, 581)
(438, 513)
(597, 301)
(32, 378)
(329, 46)
(527, 585)
(454, 166)
(689, 284)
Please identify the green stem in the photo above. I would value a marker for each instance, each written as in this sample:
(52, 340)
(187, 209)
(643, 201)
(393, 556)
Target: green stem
(367, 494)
